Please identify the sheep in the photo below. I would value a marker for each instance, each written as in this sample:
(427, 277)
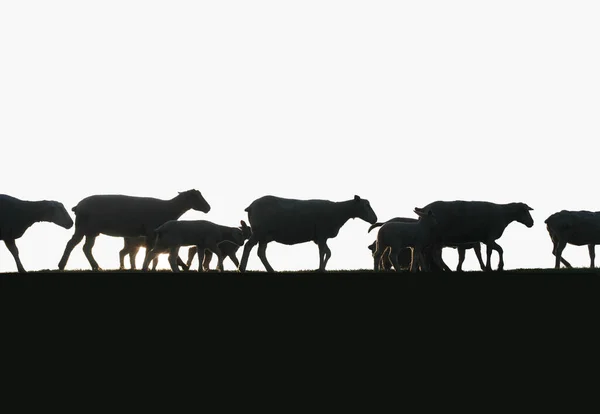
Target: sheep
(132, 246)
(395, 236)
(16, 216)
(404, 255)
(126, 216)
(292, 221)
(227, 248)
(477, 221)
(573, 227)
(200, 233)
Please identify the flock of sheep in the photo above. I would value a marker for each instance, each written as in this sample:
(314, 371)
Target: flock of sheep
(401, 243)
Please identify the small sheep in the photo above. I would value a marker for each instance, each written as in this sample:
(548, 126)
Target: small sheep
(228, 249)
(200, 233)
(394, 236)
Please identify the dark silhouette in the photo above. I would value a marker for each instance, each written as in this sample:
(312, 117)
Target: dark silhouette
(578, 228)
(291, 221)
(396, 236)
(126, 216)
(476, 221)
(432, 256)
(16, 216)
(200, 233)
(132, 246)
(228, 249)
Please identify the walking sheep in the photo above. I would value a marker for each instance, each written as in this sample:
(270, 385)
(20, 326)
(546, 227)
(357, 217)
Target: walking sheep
(477, 221)
(404, 256)
(200, 233)
(126, 216)
(578, 228)
(16, 216)
(291, 221)
(132, 246)
(396, 236)
(228, 249)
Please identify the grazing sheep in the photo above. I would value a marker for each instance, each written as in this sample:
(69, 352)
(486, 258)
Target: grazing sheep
(578, 228)
(395, 236)
(200, 233)
(227, 248)
(126, 216)
(16, 216)
(404, 255)
(477, 221)
(131, 248)
(291, 221)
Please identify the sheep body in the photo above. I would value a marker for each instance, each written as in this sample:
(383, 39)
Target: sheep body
(200, 233)
(17, 215)
(126, 216)
(291, 221)
(395, 236)
(462, 222)
(578, 228)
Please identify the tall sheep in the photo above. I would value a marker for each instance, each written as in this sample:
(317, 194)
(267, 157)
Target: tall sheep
(16, 216)
(578, 228)
(291, 221)
(396, 236)
(428, 252)
(477, 221)
(203, 234)
(126, 216)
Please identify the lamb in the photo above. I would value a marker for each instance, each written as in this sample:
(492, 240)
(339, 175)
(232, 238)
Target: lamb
(573, 227)
(227, 248)
(292, 221)
(404, 255)
(395, 236)
(200, 233)
(477, 221)
(126, 216)
(16, 216)
(131, 248)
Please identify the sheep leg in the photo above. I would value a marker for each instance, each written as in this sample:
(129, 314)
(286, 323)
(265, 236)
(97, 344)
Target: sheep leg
(180, 263)
(12, 248)
(201, 254)
(559, 247)
(497, 247)
(191, 254)
(461, 258)
(592, 249)
(214, 248)
(154, 263)
(393, 255)
(420, 259)
(234, 259)
(75, 240)
(87, 250)
(122, 255)
(207, 258)
(324, 254)
(247, 248)
(132, 255)
(477, 249)
(562, 260)
(377, 265)
(262, 254)
(173, 256)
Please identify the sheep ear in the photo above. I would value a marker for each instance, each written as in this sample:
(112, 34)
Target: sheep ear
(356, 198)
(243, 223)
(529, 208)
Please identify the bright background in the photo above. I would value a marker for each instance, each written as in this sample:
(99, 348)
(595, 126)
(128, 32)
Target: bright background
(400, 102)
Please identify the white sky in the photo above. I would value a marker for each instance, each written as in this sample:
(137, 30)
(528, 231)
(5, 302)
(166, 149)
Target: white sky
(400, 102)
